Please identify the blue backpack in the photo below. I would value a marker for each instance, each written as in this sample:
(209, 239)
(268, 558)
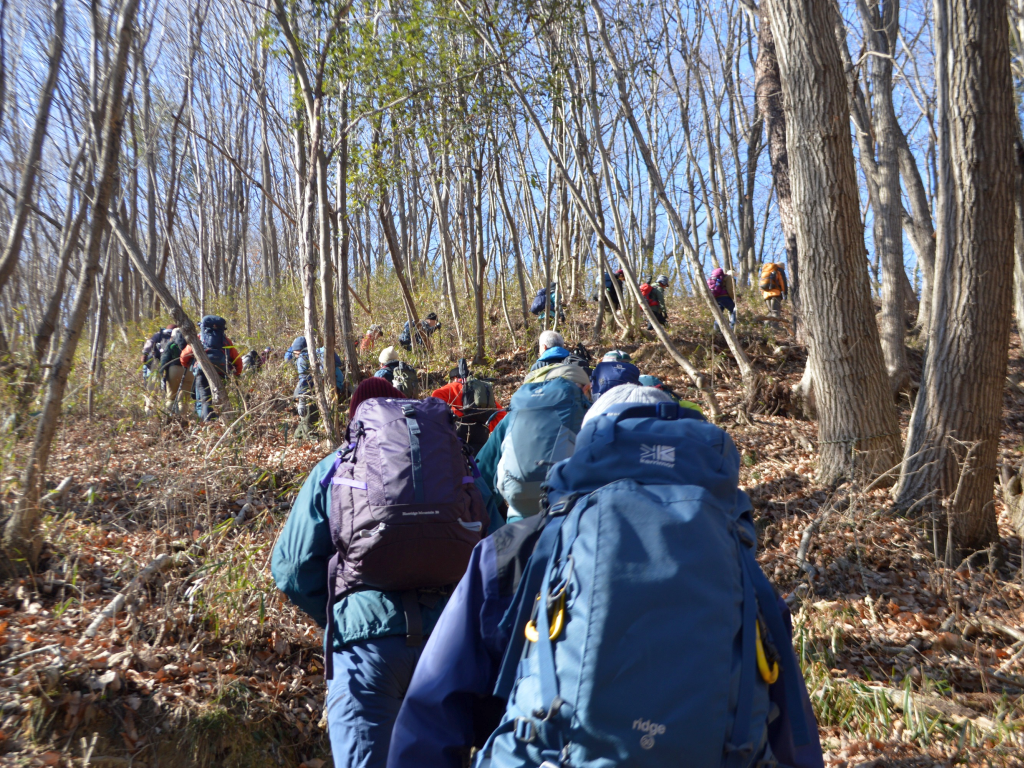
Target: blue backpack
(540, 301)
(544, 420)
(653, 643)
(211, 334)
(610, 374)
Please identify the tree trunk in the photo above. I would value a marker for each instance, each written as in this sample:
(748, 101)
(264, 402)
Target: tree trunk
(29, 172)
(768, 91)
(21, 540)
(857, 428)
(953, 446)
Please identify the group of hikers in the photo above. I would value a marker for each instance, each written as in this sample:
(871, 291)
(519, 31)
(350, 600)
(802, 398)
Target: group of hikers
(566, 580)
(773, 285)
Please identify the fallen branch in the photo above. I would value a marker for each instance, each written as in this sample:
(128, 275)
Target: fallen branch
(26, 654)
(933, 706)
(114, 606)
(59, 491)
(979, 625)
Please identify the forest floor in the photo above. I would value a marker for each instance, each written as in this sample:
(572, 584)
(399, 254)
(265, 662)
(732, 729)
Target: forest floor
(909, 662)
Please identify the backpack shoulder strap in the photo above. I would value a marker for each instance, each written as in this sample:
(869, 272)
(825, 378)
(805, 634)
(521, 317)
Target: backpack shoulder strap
(513, 624)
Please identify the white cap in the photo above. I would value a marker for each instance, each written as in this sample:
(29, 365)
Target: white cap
(388, 355)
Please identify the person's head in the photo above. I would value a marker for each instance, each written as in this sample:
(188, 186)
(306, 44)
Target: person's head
(651, 381)
(299, 343)
(388, 355)
(626, 393)
(717, 272)
(550, 339)
(178, 337)
(371, 388)
(616, 356)
(432, 319)
(454, 375)
(620, 274)
(608, 375)
(375, 331)
(662, 280)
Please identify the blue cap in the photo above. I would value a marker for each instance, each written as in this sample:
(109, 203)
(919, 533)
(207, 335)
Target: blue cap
(650, 381)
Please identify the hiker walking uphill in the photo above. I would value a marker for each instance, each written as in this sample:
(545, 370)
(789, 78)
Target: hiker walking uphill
(178, 379)
(371, 549)
(629, 624)
(402, 375)
(472, 401)
(774, 288)
(153, 350)
(724, 290)
(305, 402)
(544, 416)
(655, 295)
(222, 354)
(428, 327)
(612, 373)
(551, 347)
(373, 333)
(546, 302)
(609, 288)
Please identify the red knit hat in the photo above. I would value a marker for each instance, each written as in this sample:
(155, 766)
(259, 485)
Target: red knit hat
(371, 388)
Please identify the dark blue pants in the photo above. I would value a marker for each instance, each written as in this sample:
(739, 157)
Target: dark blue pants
(363, 699)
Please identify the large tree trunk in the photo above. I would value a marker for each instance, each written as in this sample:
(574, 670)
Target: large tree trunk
(768, 90)
(954, 432)
(857, 425)
(21, 541)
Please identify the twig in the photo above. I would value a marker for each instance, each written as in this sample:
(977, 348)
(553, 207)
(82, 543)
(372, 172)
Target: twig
(26, 654)
(985, 623)
(59, 491)
(115, 605)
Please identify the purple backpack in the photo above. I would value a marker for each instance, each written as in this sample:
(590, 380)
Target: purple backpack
(405, 511)
(717, 283)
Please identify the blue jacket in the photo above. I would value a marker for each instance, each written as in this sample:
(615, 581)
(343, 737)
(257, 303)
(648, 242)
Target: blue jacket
(550, 355)
(456, 675)
(300, 563)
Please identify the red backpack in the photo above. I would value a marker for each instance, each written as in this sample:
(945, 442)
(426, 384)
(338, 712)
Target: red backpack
(645, 290)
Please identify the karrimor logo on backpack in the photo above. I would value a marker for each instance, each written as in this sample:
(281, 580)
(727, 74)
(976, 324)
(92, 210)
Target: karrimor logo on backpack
(649, 731)
(659, 455)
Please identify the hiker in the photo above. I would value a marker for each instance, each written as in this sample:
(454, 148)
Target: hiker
(401, 375)
(774, 288)
(654, 381)
(472, 401)
(609, 288)
(545, 302)
(544, 415)
(610, 374)
(252, 361)
(305, 402)
(724, 290)
(646, 554)
(429, 326)
(222, 354)
(373, 333)
(153, 350)
(551, 348)
(177, 378)
(655, 295)
(352, 556)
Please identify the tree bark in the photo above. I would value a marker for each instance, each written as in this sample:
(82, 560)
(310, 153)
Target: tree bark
(768, 92)
(952, 446)
(21, 540)
(857, 425)
(23, 204)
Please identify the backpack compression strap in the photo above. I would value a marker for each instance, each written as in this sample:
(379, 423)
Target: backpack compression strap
(414, 452)
(666, 411)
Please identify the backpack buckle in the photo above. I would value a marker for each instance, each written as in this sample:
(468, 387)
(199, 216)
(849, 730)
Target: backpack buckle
(667, 411)
(525, 730)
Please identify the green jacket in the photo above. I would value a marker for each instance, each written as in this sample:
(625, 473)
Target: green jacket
(300, 568)
(657, 294)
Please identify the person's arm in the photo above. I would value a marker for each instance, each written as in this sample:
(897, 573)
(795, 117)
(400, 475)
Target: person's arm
(186, 356)
(456, 673)
(234, 358)
(304, 548)
(488, 456)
